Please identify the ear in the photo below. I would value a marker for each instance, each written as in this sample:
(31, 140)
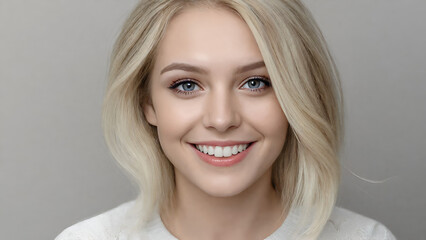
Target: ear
(150, 115)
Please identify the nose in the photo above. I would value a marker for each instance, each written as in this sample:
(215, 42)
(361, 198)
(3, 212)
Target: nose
(221, 111)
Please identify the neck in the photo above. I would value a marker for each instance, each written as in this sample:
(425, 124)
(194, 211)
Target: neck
(254, 213)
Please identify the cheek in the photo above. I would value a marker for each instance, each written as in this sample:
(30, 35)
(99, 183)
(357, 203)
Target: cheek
(175, 117)
(277, 123)
(268, 118)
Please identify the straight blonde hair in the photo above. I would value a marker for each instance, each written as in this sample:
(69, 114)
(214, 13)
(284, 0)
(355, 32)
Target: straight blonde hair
(305, 81)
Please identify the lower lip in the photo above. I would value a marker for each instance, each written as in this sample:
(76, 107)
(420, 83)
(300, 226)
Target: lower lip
(223, 161)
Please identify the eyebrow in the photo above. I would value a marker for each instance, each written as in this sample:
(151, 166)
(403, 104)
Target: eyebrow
(183, 66)
(191, 68)
(251, 66)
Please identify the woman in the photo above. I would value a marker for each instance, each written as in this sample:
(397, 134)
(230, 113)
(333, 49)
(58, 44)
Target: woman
(227, 114)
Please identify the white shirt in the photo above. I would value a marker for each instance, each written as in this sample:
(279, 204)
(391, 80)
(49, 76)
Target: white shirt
(113, 225)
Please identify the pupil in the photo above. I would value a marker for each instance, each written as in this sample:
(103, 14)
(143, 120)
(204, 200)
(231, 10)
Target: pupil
(253, 83)
(188, 86)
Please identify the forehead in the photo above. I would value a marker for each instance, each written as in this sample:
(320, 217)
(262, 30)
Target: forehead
(210, 35)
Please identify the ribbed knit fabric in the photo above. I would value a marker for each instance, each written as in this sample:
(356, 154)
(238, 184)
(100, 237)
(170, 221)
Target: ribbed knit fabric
(114, 225)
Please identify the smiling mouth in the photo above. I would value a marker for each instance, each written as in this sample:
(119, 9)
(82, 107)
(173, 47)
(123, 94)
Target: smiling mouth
(222, 151)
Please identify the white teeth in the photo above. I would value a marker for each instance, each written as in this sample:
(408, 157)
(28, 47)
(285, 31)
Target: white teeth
(240, 148)
(227, 151)
(211, 151)
(234, 149)
(218, 151)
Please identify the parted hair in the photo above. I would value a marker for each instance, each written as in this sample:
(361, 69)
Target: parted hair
(304, 79)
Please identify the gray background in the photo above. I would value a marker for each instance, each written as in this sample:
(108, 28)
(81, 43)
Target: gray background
(55, 169)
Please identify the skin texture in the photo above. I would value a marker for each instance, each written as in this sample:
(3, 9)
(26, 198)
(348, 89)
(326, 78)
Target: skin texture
(235, 202)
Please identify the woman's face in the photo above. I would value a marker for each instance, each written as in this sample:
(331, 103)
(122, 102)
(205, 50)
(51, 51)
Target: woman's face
(211, 91)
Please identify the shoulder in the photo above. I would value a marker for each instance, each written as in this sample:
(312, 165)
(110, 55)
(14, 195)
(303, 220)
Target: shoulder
(106, 226)
(344, 224)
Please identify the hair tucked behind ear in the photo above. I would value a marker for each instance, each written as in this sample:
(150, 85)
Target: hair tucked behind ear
(305, 82)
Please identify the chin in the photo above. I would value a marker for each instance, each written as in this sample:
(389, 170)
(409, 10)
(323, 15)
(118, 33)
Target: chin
(223, 189)
(223, 193)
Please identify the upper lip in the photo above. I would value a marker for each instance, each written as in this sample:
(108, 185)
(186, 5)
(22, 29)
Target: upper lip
(221, 143)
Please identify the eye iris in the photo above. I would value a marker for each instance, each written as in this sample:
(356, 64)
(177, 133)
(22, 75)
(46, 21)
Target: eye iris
(188, 86)
(254, 83)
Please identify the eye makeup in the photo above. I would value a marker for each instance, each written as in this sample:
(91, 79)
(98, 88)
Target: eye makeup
(184, 86)
(188, 86)
(256, 83)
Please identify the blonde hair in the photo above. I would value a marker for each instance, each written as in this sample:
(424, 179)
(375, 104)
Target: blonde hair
(305, 81)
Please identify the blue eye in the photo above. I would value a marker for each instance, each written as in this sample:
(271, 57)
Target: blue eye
(185, 86)
(188, 86)
(256, 83)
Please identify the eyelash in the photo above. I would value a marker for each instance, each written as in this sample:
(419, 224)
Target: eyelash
(177, 83)
(263, 79)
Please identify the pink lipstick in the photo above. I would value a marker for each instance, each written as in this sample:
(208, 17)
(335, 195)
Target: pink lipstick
(223, 161)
